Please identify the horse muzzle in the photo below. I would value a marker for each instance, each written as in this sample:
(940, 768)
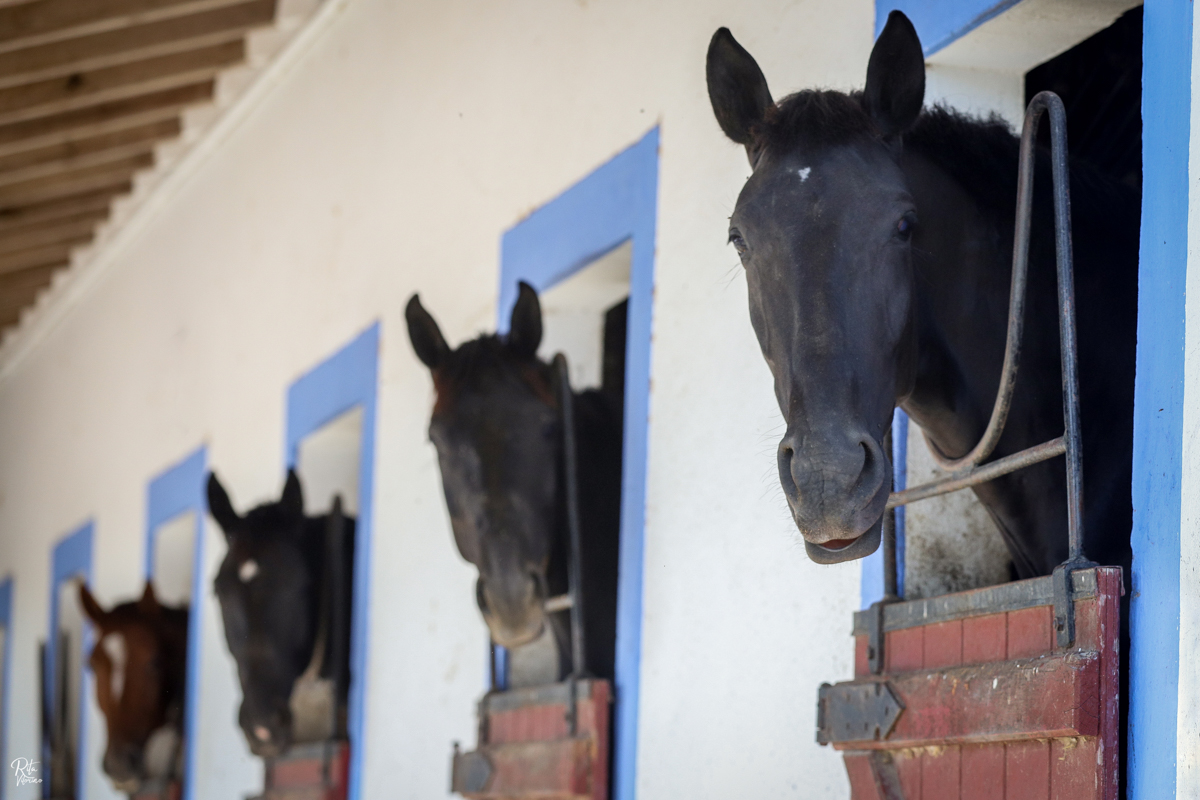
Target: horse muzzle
(861, 547)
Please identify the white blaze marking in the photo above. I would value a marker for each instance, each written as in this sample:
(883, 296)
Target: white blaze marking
(248, 570)
(262, 733)
(114, 646)
(803, 173)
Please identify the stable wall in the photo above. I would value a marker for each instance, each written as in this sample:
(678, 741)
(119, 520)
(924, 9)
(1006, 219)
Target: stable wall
(391, 149)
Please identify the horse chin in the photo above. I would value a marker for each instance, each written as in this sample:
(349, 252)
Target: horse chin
(510, 638)
(127, 785)
(861, 547)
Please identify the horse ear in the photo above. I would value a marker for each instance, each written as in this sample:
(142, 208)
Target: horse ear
(220, 507)
(895, 77)
(425, 335)
(95, 613)
(525, 324)
(293, 496)
(149, 603)
(737, 89)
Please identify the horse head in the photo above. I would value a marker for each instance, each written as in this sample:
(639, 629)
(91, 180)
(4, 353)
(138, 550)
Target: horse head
(140, 662)
(268, 591)
(825, 228)
(497, 428)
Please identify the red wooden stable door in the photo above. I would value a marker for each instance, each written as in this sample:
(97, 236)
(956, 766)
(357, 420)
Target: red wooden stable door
(312, 771)
(976, 700)
(527, 749)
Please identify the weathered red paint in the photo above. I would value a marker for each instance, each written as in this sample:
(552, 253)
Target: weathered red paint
(531, 754)
(169, 791)
(309, 772)
(993, 710)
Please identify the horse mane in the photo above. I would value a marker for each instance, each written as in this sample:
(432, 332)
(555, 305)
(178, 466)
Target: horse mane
(488, 357)
(980, 153)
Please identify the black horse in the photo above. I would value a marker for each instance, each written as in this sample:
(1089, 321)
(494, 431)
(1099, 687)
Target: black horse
(877, 244)
(286, 607)
(497, 427)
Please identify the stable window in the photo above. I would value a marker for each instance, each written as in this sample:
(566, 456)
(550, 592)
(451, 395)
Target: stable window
(64, 701)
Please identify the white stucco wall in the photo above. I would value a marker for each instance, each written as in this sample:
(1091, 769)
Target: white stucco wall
(388, 158)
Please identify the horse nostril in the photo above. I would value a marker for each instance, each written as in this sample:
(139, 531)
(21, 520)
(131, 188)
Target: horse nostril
(786, 456)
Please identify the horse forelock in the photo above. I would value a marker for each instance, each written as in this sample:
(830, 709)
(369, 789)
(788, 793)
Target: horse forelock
(814, 118)
(487, 358)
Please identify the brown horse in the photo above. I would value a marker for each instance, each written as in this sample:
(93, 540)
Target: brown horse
(140, 663)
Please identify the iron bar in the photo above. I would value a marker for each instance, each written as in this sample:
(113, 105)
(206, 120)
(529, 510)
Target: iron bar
(570, 479)
(977, 475)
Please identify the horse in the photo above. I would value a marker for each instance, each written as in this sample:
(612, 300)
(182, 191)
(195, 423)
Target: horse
(876, 239)
(286, 607)
(497, 426)
(140, 665)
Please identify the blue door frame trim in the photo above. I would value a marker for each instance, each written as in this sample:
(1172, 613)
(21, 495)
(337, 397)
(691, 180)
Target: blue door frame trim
(346, 380)
(176, 491)
(71, 558)
(940, 22)
(6, 601)
(616, 203)
(1158, 398)
(1158, 389)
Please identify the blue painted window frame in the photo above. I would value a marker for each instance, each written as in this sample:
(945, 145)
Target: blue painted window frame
(346, 380)
(178, 490)
(6, 610)
(70, 559)
(1158, 387)
(616, 203)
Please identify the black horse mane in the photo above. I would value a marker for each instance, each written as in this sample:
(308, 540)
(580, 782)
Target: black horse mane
(487, 356)
(981, 154)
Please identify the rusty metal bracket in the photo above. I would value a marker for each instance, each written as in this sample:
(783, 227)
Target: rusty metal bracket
(856, 711)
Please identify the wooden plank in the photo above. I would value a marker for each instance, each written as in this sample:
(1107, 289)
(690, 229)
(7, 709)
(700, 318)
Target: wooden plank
(44, 172)
(941, 774)
(904, 650)
(20, 289)
(1030, 632)
(1036, 698)
(558, 769)
(102, 118)
(72, 182)
(41, 256)
(1073, 773)
(1027, 771)
(44, 21)
(54, 231)
(134, 43)
(1108, 638)
(75, 153)
(943, 644)
(14, 220)
(985, 638)
(983, 771)
(862, 780)
(84, 89)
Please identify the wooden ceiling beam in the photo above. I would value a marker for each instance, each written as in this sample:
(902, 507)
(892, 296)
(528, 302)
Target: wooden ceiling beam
(42, 172)
(24, 218)
(84, 89)
(21, 218)
(45, 21)
(164, 37)
(20, 289)
(73, 182)
(53, 231)
(94, 120)
(65, 154)
(57, 253)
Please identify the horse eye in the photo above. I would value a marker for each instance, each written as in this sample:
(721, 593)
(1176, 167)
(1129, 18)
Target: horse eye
(739, 244)
(904, 228)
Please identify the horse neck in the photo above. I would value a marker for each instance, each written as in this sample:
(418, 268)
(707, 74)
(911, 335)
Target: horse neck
(962, 264)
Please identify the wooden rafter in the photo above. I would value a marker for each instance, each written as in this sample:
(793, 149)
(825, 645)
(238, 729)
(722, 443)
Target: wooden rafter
(88, 91)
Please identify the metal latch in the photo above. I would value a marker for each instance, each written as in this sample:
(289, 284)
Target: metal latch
(856, 712)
